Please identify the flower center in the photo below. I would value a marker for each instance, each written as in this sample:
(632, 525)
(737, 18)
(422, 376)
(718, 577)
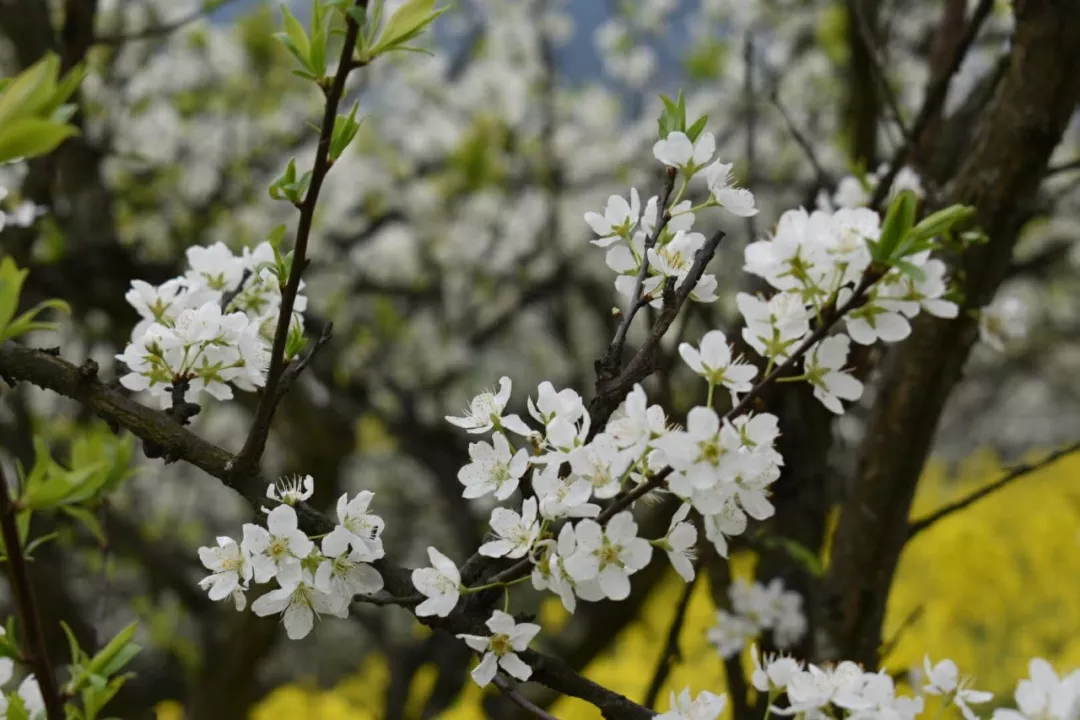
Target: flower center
(500, 644)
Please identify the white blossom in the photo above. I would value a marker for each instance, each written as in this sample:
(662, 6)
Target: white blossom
(516, 533)
(441, 584)
(944, 679)
(230, 569)
(713, 362)
(609, 554)
(291, 490)
(500, 648)
(298, 601)
(279, 547)
(485, 412)
(493, 469)
(676, 150)
(705, 706)
(824, 369)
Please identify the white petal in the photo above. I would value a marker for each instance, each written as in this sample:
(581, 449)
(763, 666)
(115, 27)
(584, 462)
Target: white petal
(515, 666)
(484, 673)
(298, 621)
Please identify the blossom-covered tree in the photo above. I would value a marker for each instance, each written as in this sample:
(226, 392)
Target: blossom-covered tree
(308, 241)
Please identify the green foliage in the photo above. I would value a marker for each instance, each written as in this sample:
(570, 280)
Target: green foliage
(95, 680)
(901, 237)
(673, 119)
(33, 109)
(345, 129)
(100, 461)
(289, 187)
(406, 24)
(705, 61)
(11, 283)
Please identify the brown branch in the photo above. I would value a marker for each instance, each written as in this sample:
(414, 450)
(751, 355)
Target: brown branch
(671, 652)
(611, 384)
(252, 451)
(935, 99)
(507, 689)
(823, 178)
(830, 316)
(1000, 175)
(161, 30)
(613, 357)
(1065, 167)
(21, 364)
(36, 654)
(876, 64)
(1014, 473)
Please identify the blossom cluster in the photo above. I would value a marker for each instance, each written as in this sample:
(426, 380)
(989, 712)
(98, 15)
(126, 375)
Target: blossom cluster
(756, 608)
(312, 578)
(794, 688)
(211, 327)
(630, 232)
(572, 530)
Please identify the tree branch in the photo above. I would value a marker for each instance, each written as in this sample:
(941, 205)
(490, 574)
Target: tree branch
(18, 363)
(611, 384)
(252, 451)
(36, 655)
(161, 30)
(1014, 473)
(935, 98)
(612, 359)
(507, 689)
(671, 653)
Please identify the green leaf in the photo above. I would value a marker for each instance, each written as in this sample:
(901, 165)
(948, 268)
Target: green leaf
(29, 92)
(25, 323)
(942, 221)
(63, 92)
(31, 137)
(318, 38)
(295, 38)
(37, 542)
(78, 657)
(11, 282)
(405, 24)
(695, 130)
(912, 271)
(87, 519)
(804, 556)
(898, 221)
(117, 653)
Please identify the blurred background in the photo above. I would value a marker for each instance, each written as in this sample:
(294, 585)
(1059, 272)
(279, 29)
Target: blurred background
(450, 250)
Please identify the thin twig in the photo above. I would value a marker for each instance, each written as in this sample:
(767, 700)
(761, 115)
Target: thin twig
(46, 370)
(876, 65)
(935, 98)
(823, 178)
(256, 441)
(157, 31)
(830, 316)
(520, 700)
(614, 353)
(888, 646)
(37, 653)
(1014, 473)
(294, 369)
(229, 296)
(750, 114)
(671, 652)
(1062, 168)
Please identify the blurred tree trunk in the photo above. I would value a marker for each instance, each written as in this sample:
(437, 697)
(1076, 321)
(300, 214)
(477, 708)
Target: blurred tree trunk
(1000, 177)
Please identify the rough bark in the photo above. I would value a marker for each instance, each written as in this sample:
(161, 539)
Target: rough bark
(1000, 178)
